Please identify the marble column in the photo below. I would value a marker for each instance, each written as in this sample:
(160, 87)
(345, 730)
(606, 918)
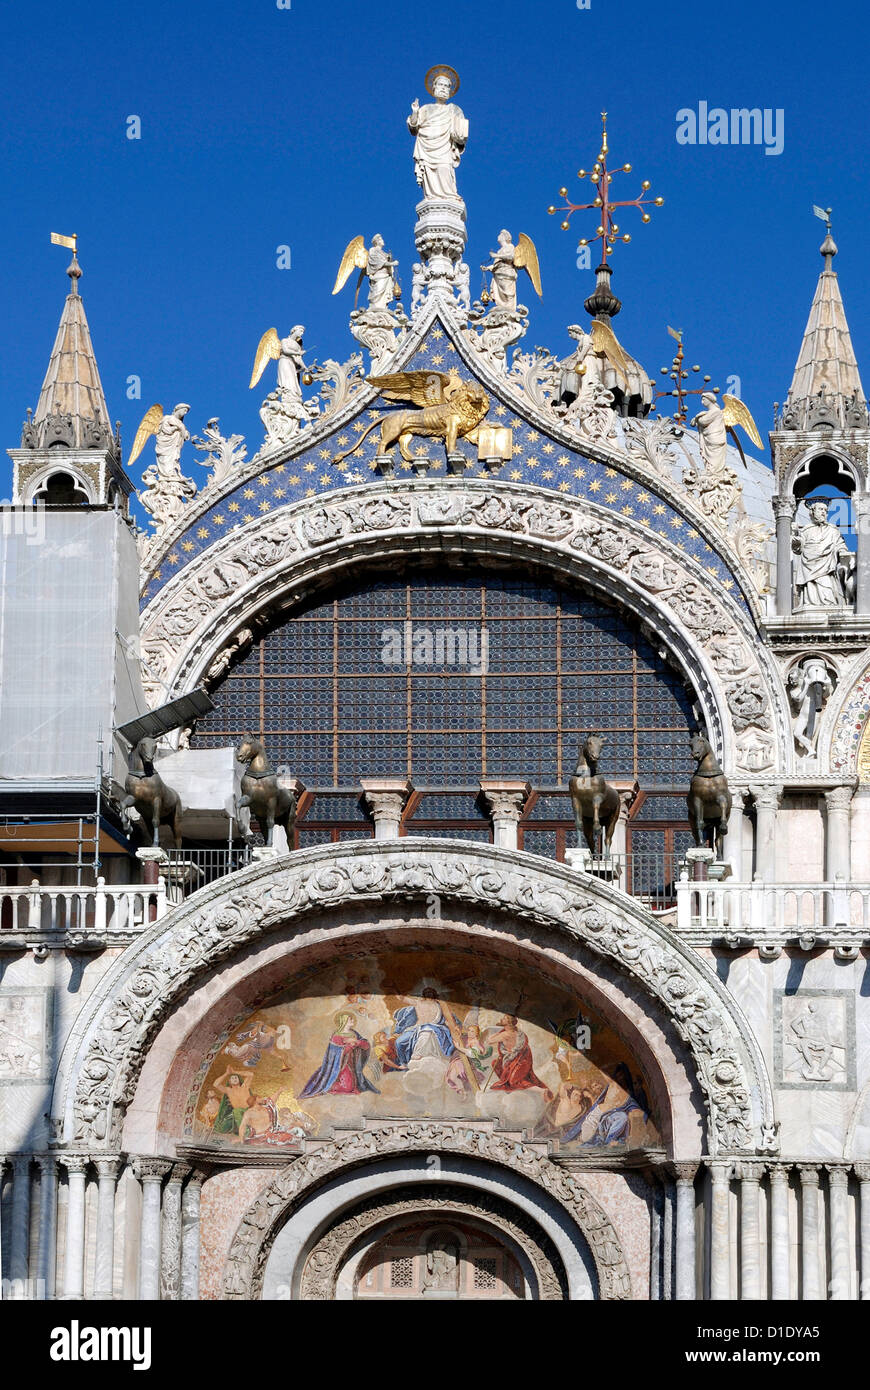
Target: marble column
(150, 1172)
(19, 1236)
(104, 1265)
(862, 1173)
(838, 856)
(780, 1281)
(838, 1196)
(656, 1212)
(734, 838)
(74, 1256)
(46, 1255)
(720, 1230)
(861, 520)
(668, 1242)
(685, 1280)
(750, 1230)
(190, 1236)
(809, 1230)
(170, 1246)
(784, 509)
(505, 801)
(385, 799)
(767, 801)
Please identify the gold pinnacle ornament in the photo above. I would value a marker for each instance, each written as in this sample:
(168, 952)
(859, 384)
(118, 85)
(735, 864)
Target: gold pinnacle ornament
(678, 374)
(607, 232)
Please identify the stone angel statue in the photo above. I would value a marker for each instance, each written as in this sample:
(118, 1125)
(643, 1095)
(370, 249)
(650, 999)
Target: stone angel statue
(290, 355)
(715, 422)
(374, 264)
(504, 265)
(167, 490)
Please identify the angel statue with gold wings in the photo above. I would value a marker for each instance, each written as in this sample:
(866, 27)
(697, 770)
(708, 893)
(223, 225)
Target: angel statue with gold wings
(595, 352)
(715, 422)
(374, 264)
(505, 263)
(283, 410)
(166, 490)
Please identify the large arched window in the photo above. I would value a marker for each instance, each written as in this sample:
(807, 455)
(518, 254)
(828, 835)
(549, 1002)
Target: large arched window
(445, 679)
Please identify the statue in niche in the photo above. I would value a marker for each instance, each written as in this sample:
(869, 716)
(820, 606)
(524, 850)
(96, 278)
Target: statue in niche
(441, 132)
(824, 567)
(441, 1275)
(809, 688)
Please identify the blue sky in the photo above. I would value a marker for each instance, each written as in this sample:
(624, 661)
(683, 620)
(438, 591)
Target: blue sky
(264, 126)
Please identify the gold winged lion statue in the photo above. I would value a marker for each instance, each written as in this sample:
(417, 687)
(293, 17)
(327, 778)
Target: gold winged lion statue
(449, 409)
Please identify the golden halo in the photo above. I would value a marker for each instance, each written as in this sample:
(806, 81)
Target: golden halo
(442, 70)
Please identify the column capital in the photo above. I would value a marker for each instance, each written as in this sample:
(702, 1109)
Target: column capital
(861, 1171)
(778, 1174)
(385, 797)
(21, 1164)
(47, 1162)
(74, 1163)
(809, 1173)
(179, 1172)
(840, 798)
(784, 505)
(148, 1169)
(504, 800)
(721, 1170)
(684, 1172)
(751, 1172)
(767, 798)
(838, 1175)
(107, 1165)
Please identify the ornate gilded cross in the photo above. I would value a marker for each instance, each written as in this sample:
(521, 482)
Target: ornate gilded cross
(678, 374)
(608, 231)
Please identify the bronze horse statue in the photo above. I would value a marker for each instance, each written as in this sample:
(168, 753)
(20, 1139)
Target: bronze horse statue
(709, 800)
(147, 792)
(271, 804)
(596, 804)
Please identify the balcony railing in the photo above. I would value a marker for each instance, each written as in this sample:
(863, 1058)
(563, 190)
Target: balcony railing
(105, 909)
(756, 910)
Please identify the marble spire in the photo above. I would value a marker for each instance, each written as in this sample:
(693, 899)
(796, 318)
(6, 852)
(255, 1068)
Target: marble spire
(72, 408)
(826, 387)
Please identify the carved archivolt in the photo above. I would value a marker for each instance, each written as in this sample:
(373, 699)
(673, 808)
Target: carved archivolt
(271, 562)
(261, 1222)
(332, 1251)
(103, 1058)
(848, 721)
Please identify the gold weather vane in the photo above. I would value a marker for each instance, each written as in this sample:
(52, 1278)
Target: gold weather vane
(71, 242)
(608, 231)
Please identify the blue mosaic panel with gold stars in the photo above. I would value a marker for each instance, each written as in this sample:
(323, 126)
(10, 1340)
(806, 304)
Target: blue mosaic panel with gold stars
(537, 460)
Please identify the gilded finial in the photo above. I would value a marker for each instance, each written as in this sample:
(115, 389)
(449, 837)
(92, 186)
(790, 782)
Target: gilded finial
(607, 231)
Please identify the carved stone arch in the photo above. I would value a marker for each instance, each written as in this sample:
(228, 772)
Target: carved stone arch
(104, 1053)
(58, 466)
(311, 546)
(850, 469)
(252, 1241)
(370, 1220)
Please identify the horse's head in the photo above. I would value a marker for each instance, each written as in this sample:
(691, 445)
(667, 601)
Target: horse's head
(700, 747)
(146, 749)
(248, 749)
(592, 747)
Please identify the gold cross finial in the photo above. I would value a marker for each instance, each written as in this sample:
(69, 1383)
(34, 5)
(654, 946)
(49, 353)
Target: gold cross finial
(607, 231)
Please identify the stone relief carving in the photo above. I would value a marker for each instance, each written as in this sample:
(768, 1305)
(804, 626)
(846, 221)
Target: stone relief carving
(810, 685)
(325, 1262)
(814, 1039)
(194, 938)
(252, 1240)
(22, 1034)
(221, 455)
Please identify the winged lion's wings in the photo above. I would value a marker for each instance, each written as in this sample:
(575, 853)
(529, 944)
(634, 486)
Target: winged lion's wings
(421, 388)
(355, 254)
(736, 412)
(150, 423)
(269, 350)
(526, 258)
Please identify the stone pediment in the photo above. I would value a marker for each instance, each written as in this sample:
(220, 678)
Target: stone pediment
(632, 468)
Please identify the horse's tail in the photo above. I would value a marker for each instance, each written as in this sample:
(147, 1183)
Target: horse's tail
(356, 443)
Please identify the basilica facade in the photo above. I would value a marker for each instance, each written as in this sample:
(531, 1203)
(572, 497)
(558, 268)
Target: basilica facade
(442, 867)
